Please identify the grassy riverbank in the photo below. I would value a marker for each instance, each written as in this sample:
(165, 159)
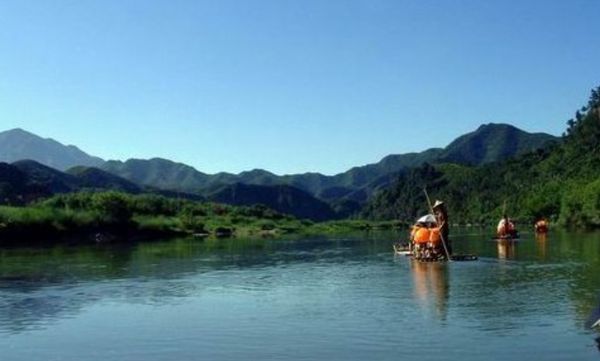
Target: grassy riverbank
(93, 216)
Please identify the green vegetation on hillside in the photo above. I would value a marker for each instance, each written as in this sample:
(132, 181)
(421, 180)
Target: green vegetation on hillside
(124, 214)
(561, 182)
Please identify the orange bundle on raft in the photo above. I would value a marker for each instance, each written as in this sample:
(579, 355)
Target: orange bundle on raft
(423, 235)
(435, 236)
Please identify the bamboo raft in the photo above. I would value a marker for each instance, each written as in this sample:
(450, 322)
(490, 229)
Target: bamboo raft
(403, 250)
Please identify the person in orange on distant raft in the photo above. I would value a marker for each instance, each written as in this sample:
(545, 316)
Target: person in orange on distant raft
(541, 226)
(506, 228)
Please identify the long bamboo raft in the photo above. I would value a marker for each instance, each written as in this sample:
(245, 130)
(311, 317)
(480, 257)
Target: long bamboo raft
(403, 250)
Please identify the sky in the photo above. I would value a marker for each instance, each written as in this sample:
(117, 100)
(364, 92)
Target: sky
(290, 86)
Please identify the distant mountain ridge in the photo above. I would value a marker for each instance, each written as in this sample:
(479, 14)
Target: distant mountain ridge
(26, 180)
(344, 192)
(18, 144)
(489, 143)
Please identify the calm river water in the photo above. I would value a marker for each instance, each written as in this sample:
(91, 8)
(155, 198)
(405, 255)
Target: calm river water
(337, 298)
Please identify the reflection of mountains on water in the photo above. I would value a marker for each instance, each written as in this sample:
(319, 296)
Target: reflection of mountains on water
(43, 285)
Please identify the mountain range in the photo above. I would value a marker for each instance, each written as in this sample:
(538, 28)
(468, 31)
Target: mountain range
(308, 195)
(489, 143)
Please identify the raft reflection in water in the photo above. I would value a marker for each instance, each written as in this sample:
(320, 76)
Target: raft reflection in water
(541, 240)
(506, 248)
(431, 285)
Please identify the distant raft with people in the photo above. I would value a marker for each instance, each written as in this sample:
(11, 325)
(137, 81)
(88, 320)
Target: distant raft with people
(506, 229)
(541, 226)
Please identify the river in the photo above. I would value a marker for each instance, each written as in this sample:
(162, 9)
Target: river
(315, 298)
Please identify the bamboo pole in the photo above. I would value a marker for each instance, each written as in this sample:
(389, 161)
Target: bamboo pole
(441, 235)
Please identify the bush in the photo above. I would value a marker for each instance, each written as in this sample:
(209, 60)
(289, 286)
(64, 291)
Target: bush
(113, 206)
(191, 218)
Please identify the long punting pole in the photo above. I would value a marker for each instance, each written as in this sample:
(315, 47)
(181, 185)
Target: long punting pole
(441, 235)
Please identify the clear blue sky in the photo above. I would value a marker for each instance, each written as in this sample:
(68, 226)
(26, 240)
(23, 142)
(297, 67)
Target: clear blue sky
(290, 86)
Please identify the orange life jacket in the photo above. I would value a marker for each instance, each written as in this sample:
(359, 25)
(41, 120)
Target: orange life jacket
(435, 236)
(422, 235)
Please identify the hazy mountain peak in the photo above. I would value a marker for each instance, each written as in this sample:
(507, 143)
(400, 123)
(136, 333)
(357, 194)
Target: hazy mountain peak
(18, 131)
(17, 144)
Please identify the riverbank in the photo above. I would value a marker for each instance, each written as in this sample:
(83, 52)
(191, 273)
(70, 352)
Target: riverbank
(87, 217)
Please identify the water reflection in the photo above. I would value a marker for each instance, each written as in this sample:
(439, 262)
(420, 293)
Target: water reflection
(543, 282)
(541, 240)
(506, 248)
(40, 286)
(431, 284)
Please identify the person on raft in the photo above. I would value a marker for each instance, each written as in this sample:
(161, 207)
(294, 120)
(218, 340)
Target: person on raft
(441, 215)
(506, 228)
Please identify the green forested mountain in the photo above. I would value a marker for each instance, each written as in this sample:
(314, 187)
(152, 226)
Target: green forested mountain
(18, 144)
(492, 143)
(282, 198)
(90, 177)
(25, 181)
(159, 173)
(15, 188)
(54, 181)
(561, 182)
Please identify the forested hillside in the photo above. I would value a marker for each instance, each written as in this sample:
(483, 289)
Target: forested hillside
(561, 182)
